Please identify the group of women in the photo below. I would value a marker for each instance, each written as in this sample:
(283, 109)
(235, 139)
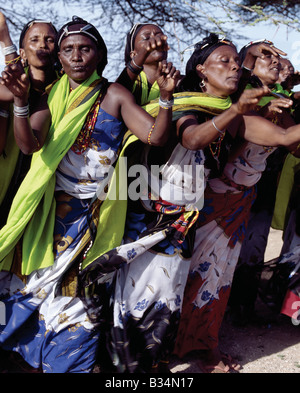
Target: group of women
(86, 275)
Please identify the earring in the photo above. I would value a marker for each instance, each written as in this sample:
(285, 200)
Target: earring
(202, 84)
(24, 63)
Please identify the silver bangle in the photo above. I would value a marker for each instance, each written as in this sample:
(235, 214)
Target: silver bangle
(214, 124)
(137, 66)
(246, 68)
(8, 50)
(4, 113)
(21, 111)
(165, 104)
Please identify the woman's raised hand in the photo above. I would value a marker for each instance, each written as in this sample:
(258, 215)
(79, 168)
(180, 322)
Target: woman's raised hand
(15, 79)
(168, 77)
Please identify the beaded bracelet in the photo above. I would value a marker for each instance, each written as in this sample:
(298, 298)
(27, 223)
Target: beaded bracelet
(214, 124)
(150, 133)
(13, 61)
(8, 50)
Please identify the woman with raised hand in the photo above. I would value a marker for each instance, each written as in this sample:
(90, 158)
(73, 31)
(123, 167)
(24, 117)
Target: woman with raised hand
(215, 66)
(277, 107)
(37, 56)
(153, 262)
(54, 222)
(146, 46)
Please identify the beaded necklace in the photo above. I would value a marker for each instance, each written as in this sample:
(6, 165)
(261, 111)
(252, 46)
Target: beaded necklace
(83, 139)
(215, 147)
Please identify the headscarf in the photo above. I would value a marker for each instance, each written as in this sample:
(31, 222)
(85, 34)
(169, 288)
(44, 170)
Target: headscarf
(202, 50)
(81, 26)
(30, 24)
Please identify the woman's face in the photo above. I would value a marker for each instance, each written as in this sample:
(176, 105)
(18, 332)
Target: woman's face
(79, 57)
(144, 35)
(38, 45)
(267, 69)
(286, 70)
(221, 71)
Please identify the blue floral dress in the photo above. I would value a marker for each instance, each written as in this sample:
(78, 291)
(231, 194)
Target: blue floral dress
(46, 322)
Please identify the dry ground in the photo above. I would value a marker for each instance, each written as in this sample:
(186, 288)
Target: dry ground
(273, 347)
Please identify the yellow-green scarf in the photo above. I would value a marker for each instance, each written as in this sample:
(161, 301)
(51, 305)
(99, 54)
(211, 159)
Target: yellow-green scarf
(32, 212)
(113, 211)
(141, 87)
(192, 102)
(266, 99)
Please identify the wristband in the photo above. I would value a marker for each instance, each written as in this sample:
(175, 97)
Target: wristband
(246, 68)
(137, 66)
(150, 133)
(214, 124)
(13, 61)
(8, 50)
(133, 70)
(21, 111)
(165, 104)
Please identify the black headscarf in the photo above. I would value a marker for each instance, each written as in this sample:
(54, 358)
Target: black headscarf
(201, 52)
(87, 29)
(27, 27)
(130, 38)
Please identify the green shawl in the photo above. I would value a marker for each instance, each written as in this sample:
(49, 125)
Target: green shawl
(141, 91)
(192, 102)
(266, 99)
(32, 213)
(284, 189)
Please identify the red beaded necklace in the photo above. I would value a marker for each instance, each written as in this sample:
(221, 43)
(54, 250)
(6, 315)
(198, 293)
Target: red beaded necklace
(83, 139)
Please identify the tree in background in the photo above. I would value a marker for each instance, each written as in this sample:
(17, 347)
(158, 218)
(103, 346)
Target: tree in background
(184, 22)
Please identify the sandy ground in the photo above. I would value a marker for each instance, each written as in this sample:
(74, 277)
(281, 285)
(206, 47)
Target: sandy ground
(273, 347)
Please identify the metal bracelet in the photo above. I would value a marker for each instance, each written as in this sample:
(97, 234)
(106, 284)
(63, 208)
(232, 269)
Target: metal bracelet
(133, 70)
(8, 50)
(137, 66)
(214, 124)
(165, 104)
(21, 111)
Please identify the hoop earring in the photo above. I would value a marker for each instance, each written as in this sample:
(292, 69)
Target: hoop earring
(202, 84)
